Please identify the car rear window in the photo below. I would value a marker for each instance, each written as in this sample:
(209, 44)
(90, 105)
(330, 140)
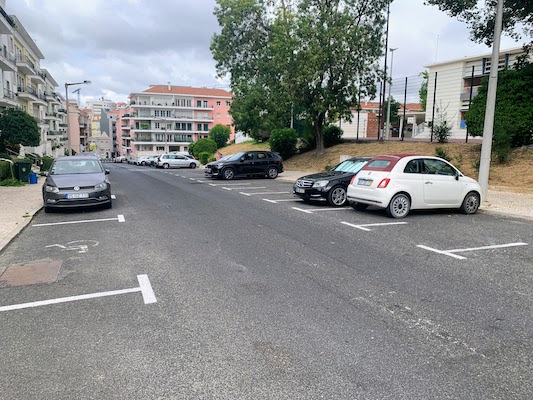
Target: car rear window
(379, 164)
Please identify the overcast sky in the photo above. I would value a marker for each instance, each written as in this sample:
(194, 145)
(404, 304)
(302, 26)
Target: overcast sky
(124, 46)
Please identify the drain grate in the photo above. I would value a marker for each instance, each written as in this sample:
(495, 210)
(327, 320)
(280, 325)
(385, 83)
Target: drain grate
(40, 271)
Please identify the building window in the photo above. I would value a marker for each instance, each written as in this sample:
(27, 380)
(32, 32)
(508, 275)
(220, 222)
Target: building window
(189, 126)
(219, 115)
(160, 148)
(206, 127)
(228, 103)
(205, 103)
(198, 103)
(157, 125)
(199, 127)
(218, 103)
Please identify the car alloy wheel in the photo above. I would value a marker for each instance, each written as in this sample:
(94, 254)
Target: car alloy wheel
(166, 166)
(470, 203)
(192, 165)
(272, 172)
(399, 206)
(337, 196)
(228, 174)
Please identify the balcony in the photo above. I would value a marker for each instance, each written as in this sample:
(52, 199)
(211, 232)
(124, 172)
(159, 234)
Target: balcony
(25, 65)
(52, 116)
(9, 99)
(7, 61)
(38, 77)
(55, 133)
(62, 125)
(27, 93)
(126, 127)
(6, 23)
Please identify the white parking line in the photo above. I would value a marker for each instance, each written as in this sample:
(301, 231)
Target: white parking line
(249, 194)
(229, 184)
(311, 211)
(238, 188)
(113, 197)
(144, 287)
(450, 253)
(277, 201)
(120, 218)
(364, 226)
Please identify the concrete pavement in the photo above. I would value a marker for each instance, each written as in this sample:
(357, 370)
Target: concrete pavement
(19, 204)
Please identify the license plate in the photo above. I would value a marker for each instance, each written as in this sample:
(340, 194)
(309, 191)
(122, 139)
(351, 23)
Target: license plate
(77, 195)
(364, 182)
(299, 190)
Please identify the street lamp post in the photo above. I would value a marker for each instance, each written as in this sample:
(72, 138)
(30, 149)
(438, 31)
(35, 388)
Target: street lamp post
(387, 129)
(68, 111)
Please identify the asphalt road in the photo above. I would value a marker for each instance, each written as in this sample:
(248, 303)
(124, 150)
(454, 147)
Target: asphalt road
(260, 296)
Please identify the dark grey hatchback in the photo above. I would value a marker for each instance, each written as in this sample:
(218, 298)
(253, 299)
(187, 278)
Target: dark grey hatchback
(76, 181)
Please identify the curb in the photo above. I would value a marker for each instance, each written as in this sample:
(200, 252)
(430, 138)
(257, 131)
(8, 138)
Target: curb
(19, 228)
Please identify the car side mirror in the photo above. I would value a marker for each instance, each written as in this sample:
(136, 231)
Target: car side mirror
(242, 158)
(107, 172)
(457, 175)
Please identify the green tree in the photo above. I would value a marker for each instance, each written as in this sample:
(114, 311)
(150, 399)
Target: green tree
(513, 120)
(423, 91)
(204, 145)
(394, 108)
(480, 17)
(18, 128)
(220, 134)
(317, 56)
(283, 141)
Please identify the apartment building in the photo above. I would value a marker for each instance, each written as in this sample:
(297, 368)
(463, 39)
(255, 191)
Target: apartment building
(25, 85)
(168, 118)
(455, 81)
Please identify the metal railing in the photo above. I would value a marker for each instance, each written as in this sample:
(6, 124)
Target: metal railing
(27, 89)
(8, 18)
(10, 95)
(25, 59)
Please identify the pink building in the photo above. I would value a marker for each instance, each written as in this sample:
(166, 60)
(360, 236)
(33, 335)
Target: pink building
(168, 118)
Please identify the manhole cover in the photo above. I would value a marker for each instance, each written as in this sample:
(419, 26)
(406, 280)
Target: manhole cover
(40, 271)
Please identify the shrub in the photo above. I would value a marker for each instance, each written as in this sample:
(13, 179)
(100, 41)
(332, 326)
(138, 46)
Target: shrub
(12, 182)
(283, 141)
(220, 134)
(46, 162)
(6, 155)
(203, 145)
(5, 170)
(332, 135)
(442, 153)
(203, 157)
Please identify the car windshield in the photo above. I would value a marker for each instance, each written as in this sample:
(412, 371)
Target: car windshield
(350, 166)
(236, 156)
(66, 167)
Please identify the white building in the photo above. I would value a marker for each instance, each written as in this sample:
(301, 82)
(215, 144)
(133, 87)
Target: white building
(454, 79)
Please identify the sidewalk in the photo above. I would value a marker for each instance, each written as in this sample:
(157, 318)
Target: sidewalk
(19, 204)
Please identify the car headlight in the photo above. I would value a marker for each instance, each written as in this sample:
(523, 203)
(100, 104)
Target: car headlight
(51, 189)
(101, 186)
(320, 184)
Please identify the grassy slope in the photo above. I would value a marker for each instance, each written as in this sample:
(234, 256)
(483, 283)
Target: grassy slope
(516, 176)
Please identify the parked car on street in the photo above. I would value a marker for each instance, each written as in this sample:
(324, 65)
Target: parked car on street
(400, 183)
(330, 185)
(176, 161)
(246, 163)
(76, 181)
(120, 159)
(148, 160)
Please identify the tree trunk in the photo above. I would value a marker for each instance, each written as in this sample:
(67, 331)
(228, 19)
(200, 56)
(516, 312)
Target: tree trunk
(319, 134)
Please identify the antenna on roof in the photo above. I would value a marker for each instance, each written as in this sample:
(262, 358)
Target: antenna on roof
(169, 87)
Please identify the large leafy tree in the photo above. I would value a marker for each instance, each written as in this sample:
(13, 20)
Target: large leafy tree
(220, 134)
(423, 91)
(18, 128)
(513, 120)
(316, 56)
(480, 17)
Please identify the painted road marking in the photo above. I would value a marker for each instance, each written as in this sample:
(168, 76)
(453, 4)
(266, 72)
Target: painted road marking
(120, 218)
(277, 201)
(144, 287)
(76, 245)
(364, 227)
(192, 179)
(311, 211)
(229, 184)
(450, 253)
(238, 188)
(113, 196)
(249, 194)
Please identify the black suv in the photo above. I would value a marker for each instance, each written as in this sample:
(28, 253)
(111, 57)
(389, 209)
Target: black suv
(330, 185)
(246, 163)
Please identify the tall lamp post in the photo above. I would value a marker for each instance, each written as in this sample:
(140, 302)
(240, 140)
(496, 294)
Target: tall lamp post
(68, 111)
(387, 128)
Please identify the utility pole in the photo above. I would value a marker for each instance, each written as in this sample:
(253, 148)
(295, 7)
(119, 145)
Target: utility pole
(387, 128)
(488, 127)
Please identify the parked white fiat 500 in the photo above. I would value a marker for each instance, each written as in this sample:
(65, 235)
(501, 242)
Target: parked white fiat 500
(400, 183)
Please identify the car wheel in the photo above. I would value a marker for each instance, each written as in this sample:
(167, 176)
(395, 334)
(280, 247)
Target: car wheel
(166, 166)
(337, 196)
(143, 163)
(359, 206)
(228, 174)
(272, 172)
(192, 165)
(470, 203)
(399, 206)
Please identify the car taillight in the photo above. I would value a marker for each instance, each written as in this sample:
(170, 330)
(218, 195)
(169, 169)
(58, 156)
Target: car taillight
(384, 182)
(353, 179)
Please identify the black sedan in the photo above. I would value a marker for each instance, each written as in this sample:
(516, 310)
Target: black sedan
(246, 163)
(330, 185)
(76, 181)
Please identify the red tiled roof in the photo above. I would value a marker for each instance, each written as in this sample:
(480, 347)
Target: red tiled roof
(188, 90)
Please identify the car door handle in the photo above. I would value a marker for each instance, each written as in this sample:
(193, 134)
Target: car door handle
(429, 183)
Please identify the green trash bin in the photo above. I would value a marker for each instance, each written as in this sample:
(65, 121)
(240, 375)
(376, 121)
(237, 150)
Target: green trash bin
(22, 170)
